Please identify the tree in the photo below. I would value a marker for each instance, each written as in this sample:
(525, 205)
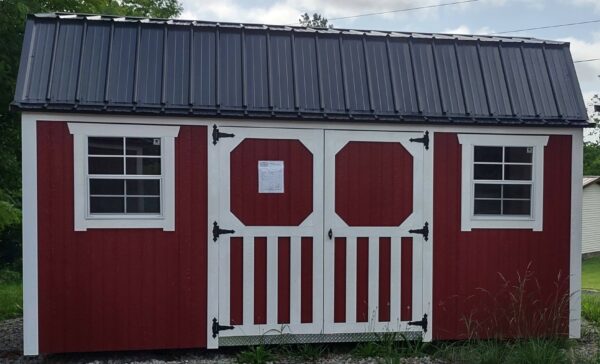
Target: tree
(591, 149)
(12, 26)
(317, 21)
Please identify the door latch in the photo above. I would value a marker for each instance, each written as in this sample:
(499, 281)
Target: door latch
(423, 231)
(330, 234)
(217, 231)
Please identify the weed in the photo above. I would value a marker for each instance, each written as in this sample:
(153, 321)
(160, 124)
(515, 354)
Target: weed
(536, 351)
(259, 354)
(304, 352)
(368, 349)
(590, 308)
(11, 295)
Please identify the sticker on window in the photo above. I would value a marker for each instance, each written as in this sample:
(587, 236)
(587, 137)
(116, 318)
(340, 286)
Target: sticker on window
(270, 176)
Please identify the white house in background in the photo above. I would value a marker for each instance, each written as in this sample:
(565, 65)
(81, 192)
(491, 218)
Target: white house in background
(590, 238)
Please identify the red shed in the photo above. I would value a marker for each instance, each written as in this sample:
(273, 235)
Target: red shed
(189, 184)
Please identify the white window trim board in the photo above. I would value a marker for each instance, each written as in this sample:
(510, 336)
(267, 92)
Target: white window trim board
(84, 221)
(534, 222)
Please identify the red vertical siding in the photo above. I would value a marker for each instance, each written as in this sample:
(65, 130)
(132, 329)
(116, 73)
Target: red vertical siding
(260, 280)
(236, 281)
(120, 289)
(362, 279)
(406, 279)
(339, 284)
(283, 280)
(384, 278)
(474, 271)
(306, 280)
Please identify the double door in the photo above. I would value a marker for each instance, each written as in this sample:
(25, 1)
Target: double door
(316, 232)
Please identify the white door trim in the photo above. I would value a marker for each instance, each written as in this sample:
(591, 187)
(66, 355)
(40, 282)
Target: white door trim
(422, 192)
(219, 210)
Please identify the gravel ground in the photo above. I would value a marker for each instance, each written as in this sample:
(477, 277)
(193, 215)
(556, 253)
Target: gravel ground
(11, 348)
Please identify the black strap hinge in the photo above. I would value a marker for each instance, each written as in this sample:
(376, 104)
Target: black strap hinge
(216, 327)
(422, 323)
(423, 231)
(424, 139)
(216, 135)
(217, 231)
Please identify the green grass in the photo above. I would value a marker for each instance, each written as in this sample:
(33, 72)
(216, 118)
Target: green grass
(11, 295)
(590, 308)
(590, 274)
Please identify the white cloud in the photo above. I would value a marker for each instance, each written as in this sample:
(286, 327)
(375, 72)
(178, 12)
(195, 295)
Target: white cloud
(593, 4)
(288, 11)
(587, 72)
(464, 29)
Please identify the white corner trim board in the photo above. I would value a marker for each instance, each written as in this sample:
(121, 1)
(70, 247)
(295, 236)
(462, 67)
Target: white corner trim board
(575, 258)
(30, 235)
(469, 220)
(83, 219)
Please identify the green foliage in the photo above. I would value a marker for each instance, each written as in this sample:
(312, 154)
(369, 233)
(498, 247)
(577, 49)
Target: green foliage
(391, 347)
(11, 295)
(256, 355)
(537, 351)
(12, 24)
(304, 353)
(317, 21)
(590, 274)
(590, 308)
(591, 159)
(531, 351)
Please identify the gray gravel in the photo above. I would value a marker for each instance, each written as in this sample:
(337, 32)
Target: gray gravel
(11, 348)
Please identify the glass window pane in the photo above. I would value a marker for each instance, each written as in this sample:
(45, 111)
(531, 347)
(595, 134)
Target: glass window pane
(517, 172)
(105, 165)
(488, 191)
(517, 191)
(143, 146)
(488, 154)
(104, 205)
(488, 171)
(143, 187)
(517, 207)
(148, 166)
(518, 154)
(146, 205)
(106, 186)
(486, 207)
(102, 145)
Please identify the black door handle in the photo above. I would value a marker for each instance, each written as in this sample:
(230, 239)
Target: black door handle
(330, 234)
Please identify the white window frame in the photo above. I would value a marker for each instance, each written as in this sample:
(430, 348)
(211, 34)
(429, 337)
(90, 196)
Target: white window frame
(83, 219)
(469, 220)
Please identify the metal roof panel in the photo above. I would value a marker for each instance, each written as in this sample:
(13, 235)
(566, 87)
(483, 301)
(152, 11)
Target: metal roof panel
(125, 64)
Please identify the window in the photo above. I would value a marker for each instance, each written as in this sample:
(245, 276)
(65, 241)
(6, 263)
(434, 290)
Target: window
(502, 181)
(124, 176)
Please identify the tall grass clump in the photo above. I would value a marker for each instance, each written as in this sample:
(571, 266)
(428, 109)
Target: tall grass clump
(11, 295)
(519, 308)
(590, 308)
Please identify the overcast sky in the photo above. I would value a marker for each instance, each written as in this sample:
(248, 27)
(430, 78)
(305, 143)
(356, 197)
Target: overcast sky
(479, 17)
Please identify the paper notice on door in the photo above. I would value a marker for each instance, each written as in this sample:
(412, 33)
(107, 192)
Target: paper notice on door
(270, 176)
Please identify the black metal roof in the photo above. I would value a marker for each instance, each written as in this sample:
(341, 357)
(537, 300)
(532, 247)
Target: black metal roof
(92, 63)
